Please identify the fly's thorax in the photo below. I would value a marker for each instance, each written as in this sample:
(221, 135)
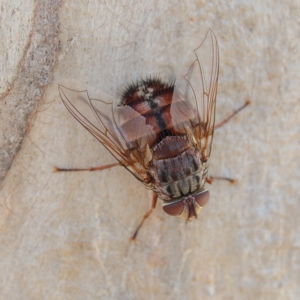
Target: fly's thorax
(188, 207)
(176, 169)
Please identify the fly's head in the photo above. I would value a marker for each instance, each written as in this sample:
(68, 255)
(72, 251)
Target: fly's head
(188, 207)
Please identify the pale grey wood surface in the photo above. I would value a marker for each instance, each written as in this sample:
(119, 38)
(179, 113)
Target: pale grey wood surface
(66, 236)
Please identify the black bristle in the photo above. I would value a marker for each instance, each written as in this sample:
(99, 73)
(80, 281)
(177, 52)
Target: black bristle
(129, 89)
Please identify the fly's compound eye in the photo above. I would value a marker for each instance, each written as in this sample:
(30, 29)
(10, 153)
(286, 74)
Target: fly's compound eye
(202, 198)
(189, 207)
(174, 208)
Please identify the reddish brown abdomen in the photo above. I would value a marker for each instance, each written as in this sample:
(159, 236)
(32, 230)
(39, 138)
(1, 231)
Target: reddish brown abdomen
(152, 99)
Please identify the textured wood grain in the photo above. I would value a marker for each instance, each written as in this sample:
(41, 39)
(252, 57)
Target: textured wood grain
(66, 236)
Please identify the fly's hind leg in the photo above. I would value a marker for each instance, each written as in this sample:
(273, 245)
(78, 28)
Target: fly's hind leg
(210, 179)
(154, 200)
(248, 102)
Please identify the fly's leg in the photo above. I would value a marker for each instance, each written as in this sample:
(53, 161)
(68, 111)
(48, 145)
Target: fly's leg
(248, 102)
(154, 200)
(57, 169)
(210, 179)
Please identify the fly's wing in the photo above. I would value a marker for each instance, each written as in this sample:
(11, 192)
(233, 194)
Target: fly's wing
(98, 117)
(133, 128)
(194, 100)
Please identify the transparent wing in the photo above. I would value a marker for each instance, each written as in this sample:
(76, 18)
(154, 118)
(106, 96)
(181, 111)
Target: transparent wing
(103, 122)
(194, 100)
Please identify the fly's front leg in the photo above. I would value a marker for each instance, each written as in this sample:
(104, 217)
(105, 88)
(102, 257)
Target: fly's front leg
(154, 200)
(210, 179)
